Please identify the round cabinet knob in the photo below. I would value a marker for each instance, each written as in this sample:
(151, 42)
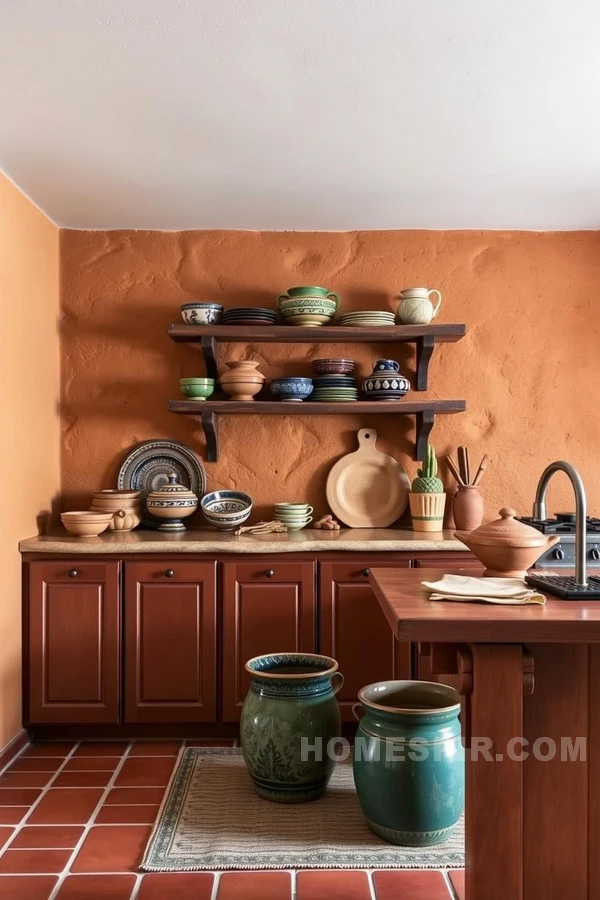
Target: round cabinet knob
(73, 573)
(366, 572)
(595, 554)
(169, 573)
(559, 554)
(269, 573)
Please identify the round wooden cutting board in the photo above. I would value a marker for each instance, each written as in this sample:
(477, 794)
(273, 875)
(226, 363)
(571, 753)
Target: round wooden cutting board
(367, 488)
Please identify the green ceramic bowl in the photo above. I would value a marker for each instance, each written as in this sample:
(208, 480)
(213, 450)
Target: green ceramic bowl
(197, 391)
(197, 381)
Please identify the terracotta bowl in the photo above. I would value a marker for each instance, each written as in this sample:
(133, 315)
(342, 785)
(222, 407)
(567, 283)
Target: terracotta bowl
(85, 523)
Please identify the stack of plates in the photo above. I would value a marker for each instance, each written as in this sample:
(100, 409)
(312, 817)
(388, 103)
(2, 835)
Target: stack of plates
(368, 318)
(334, 389)
(248, 315)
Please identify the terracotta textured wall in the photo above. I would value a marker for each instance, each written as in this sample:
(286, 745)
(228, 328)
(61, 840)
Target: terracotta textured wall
(29, 450)
(528, 367)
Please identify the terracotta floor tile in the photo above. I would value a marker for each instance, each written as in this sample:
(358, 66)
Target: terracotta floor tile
(333, 885)
(97, 887)
(145, 772)
(36, 764)
(103, 748)
(12, 815)
(47, 837)
(183, 886)
(130, 796)
(92, 763)
(156, 748)
(38, 887)
(49, 748)
(127, 815)
(25, 779)
(28, 862)
(410, 885)
(5, 833)
(65, 807)
(18, 796)
(457, 877)
(255, 886)
(82, 779)
(112, 848)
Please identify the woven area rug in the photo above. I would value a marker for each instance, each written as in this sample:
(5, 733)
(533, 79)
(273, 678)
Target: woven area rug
(212, 819)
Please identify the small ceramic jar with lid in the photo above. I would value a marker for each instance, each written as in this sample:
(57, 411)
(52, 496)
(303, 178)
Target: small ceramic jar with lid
(172, 502)
(505, 546)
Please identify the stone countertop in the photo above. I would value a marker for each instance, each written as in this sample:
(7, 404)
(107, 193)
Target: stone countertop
(367, 540)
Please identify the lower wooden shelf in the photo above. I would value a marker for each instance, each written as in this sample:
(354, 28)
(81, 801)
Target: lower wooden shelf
(207, 411)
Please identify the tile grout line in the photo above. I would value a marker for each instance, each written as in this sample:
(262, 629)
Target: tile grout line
(371, 884)
(137, 885)
(294, 885)
(215, 887)
(62, 876)
(451, 889)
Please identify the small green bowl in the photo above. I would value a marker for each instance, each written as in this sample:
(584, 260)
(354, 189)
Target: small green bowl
(197, 391)
(197, 381)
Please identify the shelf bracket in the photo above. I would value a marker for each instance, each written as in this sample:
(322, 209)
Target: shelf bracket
(425, 347)
(209, 425)
(210, 352)
(424, 425)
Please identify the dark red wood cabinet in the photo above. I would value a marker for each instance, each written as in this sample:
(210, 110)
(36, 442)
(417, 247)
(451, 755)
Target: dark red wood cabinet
(72, 644)
(170, 667)
(268, 606)
(354, 630)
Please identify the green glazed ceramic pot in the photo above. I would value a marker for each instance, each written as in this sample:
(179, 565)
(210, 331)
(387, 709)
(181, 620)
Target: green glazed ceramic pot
(291, 697)
(409, 761)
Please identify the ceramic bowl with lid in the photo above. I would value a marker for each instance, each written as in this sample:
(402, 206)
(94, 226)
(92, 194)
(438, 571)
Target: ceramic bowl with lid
(172, 502)
(506, 547)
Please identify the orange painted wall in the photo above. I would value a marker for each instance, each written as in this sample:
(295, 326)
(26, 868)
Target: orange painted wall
(529, 367)
(29, 449)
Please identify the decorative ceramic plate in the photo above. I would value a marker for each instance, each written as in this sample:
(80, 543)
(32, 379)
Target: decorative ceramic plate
(148, 466)
(367, 488)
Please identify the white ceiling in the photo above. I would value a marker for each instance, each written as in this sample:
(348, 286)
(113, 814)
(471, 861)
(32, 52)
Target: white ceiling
(303, 114)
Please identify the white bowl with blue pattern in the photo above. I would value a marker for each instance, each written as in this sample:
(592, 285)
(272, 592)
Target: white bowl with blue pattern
(226, 509)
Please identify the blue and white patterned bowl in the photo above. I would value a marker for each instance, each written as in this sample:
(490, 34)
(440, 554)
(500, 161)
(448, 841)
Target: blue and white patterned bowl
(202, 313)
(292, 390)
(226, 509)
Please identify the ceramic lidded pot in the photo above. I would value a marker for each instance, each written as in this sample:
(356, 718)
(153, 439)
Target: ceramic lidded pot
(172, 502)
(506, 547)
(242, 379)
(385, 382)
(291, 701)
(409, 761)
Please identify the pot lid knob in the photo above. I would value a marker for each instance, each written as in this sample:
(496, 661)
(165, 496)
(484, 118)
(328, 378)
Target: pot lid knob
(507, 513)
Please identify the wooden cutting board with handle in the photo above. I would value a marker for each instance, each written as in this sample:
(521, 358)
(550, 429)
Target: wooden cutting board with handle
(367, 488)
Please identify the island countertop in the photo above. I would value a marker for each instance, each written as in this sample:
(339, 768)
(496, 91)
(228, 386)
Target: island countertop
(352, 540)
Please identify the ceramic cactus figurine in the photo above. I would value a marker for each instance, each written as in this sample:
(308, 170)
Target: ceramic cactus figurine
(427, 481)
(427, 497)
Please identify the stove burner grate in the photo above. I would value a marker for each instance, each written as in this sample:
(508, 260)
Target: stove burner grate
(564, 523)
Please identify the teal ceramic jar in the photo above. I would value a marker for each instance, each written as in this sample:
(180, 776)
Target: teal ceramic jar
(409, 761)
(290, 710)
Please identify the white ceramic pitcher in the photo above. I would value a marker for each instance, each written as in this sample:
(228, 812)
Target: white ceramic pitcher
(416, 308)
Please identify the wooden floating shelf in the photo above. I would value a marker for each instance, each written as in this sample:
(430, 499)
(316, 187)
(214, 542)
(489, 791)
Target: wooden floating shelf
(208, 337)
(424, 411)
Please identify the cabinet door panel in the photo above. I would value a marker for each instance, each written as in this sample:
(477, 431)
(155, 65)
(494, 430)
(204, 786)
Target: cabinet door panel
(263, 613)
(73, 642)
(170, 642)
(354, 630)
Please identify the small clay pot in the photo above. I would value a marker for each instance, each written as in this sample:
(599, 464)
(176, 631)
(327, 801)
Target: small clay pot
(467, 508)
(242, 381)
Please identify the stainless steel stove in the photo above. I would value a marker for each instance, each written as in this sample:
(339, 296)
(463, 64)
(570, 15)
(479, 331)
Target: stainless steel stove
(562, 554)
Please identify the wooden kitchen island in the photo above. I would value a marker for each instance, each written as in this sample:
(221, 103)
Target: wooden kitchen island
(526, 674)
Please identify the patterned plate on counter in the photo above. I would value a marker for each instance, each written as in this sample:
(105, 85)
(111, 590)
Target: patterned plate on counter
(148, 466)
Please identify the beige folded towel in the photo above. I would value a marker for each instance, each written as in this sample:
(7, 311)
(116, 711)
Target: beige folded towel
(509, 591)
